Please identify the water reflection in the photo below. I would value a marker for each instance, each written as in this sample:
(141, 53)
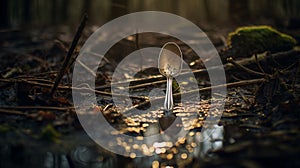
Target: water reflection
(194, 145)
(84, 156)
(210, 139)
(55, 160)
(187, 148)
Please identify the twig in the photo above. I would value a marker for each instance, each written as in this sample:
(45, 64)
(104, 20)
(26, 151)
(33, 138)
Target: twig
(41, 80)
(133, 82)
(102, 57)
(243, 96)
(13, 112)
(88, 88)
(69, 55)
(177, 95)
(258, 64)
(87, 68)
(38, 107)
(143, 85)
(71, 88)
(44, 74)
(147, 84)
(230, 60)
(199, 72)
(228, 85)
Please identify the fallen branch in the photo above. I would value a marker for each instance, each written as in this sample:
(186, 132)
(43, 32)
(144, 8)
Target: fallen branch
(147, 84)
(69, 55)
(177, 95)
(13, 112)
(85, 89)
(133, 82)
(242, 67)
(41, 74)
(37, 107)
(254, 60)
(143, 82)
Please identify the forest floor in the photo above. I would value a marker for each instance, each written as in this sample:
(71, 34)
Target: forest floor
(259, 126)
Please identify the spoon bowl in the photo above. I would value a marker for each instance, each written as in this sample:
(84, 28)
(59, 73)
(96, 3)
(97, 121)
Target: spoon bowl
(170, 60)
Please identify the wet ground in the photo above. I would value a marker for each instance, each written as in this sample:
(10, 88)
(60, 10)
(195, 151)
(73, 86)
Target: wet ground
(259, 126)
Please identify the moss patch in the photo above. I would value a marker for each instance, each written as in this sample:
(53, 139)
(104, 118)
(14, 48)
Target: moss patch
(50, 134)
(246, 41)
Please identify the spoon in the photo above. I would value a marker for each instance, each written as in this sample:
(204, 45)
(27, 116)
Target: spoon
(169, 65)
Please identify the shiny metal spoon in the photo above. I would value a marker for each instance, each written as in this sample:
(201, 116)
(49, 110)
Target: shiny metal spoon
(170, 65)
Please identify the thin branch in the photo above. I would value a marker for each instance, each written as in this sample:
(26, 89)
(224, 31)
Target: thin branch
(87, 68)
(86, 89)
(40, 80)
(38, 108)
(134, 81)
(13, 112)
(103, 57)
(69, 55)
(258, 64)
(147, 84)
(177, 95)
(199, 72)
(43, 74)
(230, 60)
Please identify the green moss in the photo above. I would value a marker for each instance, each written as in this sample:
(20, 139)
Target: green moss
(246, 41)
(49, 133)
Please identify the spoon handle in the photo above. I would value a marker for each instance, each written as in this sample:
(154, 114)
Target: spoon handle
(169, 96)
